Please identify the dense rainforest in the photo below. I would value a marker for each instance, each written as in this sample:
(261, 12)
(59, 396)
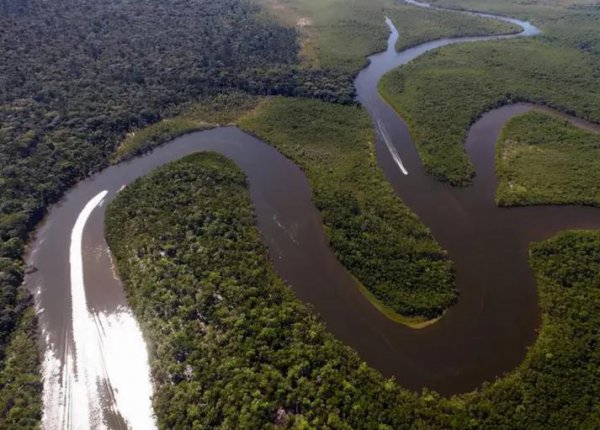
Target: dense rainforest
(231, 347)
(76, 76)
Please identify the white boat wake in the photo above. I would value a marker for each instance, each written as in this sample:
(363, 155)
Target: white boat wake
(105, 369)
(390, 146)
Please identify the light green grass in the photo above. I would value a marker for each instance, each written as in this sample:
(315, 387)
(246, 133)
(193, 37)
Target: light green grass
(416, 323)
(541, 159)
(340, 34)
(417, 25)
(571, 23)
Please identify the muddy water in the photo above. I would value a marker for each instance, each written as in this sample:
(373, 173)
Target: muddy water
(495, 320)
(83, 392)
(484, 335)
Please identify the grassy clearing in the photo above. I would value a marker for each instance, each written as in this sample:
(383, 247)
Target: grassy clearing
(377, 238)
(541, 159)
(337, 34)
(569, 23)
(442, 93)
(536, 9)
(232, 348)
(212, 112)
(417, 25)
(340, 34)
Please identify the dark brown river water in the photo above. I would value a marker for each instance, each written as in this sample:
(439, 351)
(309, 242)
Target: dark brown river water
(486, 334)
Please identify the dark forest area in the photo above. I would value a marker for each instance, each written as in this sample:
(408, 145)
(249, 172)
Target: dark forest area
(75, 77)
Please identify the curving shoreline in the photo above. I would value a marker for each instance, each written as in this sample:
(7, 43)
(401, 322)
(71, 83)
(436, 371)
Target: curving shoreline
(488, 245)
(528, 28)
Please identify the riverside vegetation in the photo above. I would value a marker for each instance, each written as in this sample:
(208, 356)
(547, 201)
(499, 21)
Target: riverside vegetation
(221, 109)
(379, 240)
(567, 23)
(417, 25)
(443, 92)
(221, 325)
(70, 95)
(542, 159)
(374, 235)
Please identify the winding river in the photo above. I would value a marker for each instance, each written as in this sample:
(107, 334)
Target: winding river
(96, 372)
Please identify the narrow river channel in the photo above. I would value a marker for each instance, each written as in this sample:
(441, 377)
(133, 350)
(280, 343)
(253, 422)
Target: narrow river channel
(96, 372)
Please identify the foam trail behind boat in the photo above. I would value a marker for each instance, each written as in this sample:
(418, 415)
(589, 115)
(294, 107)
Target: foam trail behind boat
(390, 146)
